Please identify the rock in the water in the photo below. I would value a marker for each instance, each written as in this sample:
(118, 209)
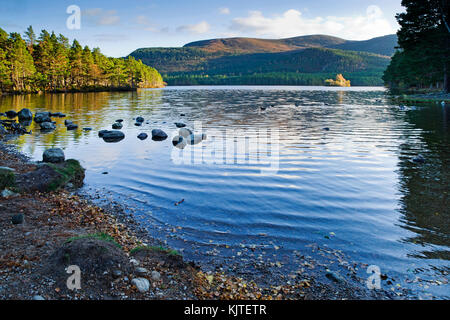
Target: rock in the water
(17, 219)
(326, 129)
(87, 129)
(142, 136)
(53, 155)
(180, 125)
(72, 126)
(57, 114)
(67, 122)
(140, 119)
(38, 298)
(142, 284)
(158, 135)
(40, 117)
(119, 120)
(195, 138)
(25, 114)
(47, 126)
(113, 136)
(117, 125)
(179, 142)
(419, 159)
(138, 124)
(156, 275)
(102, 132)
(141, 271)
(11, 114)
(184, 132)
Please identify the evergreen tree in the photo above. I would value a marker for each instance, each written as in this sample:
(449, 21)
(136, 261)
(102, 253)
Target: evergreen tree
(423, 58)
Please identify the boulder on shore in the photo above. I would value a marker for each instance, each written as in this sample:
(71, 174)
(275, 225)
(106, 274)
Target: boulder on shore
(53, 155)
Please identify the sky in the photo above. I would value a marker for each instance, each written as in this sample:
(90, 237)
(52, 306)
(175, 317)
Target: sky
(119, 27)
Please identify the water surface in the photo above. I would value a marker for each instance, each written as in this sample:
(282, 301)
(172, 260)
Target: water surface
(345, 178)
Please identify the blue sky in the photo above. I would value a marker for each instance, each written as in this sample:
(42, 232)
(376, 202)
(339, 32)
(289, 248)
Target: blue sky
(118, 27)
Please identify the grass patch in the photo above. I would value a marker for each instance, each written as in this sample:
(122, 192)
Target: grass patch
(97, 236)
(70, 171)
(170, 252)
(7, 179)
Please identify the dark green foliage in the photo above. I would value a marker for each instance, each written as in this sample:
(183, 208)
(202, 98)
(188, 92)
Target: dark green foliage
(192, 66)
(69, 171)
(423, 58)
(97, 236)
(49, 63)
(155, 248)
(7, 179)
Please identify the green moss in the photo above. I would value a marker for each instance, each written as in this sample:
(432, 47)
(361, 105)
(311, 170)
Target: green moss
(157, 249)
(97, 236)
(7, 179)
(69, 171)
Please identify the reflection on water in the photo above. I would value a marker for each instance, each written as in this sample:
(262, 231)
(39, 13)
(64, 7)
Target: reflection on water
(352, 187)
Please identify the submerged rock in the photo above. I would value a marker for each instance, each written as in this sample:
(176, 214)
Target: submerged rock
(47, 126)
(180, 125)
(158, 135)
(53, 155)
(138, 124)
(419, 159)
(25, 115)
(72, 126)
(11, 114)
(113, 136)
(57, 114)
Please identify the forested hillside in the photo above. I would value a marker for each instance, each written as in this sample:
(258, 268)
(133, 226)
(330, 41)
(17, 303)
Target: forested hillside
(50, 63)
(306, 60)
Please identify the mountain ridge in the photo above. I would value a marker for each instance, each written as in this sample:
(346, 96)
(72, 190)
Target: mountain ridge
(223, 58)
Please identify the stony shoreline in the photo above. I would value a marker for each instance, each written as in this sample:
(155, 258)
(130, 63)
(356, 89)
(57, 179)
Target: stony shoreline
(61, 228)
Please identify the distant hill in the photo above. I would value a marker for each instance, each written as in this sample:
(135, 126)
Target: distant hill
(307, 60)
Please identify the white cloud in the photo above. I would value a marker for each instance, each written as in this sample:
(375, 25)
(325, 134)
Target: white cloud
(101, 17)
(291, 23)
(224, 10)
(199, 28)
